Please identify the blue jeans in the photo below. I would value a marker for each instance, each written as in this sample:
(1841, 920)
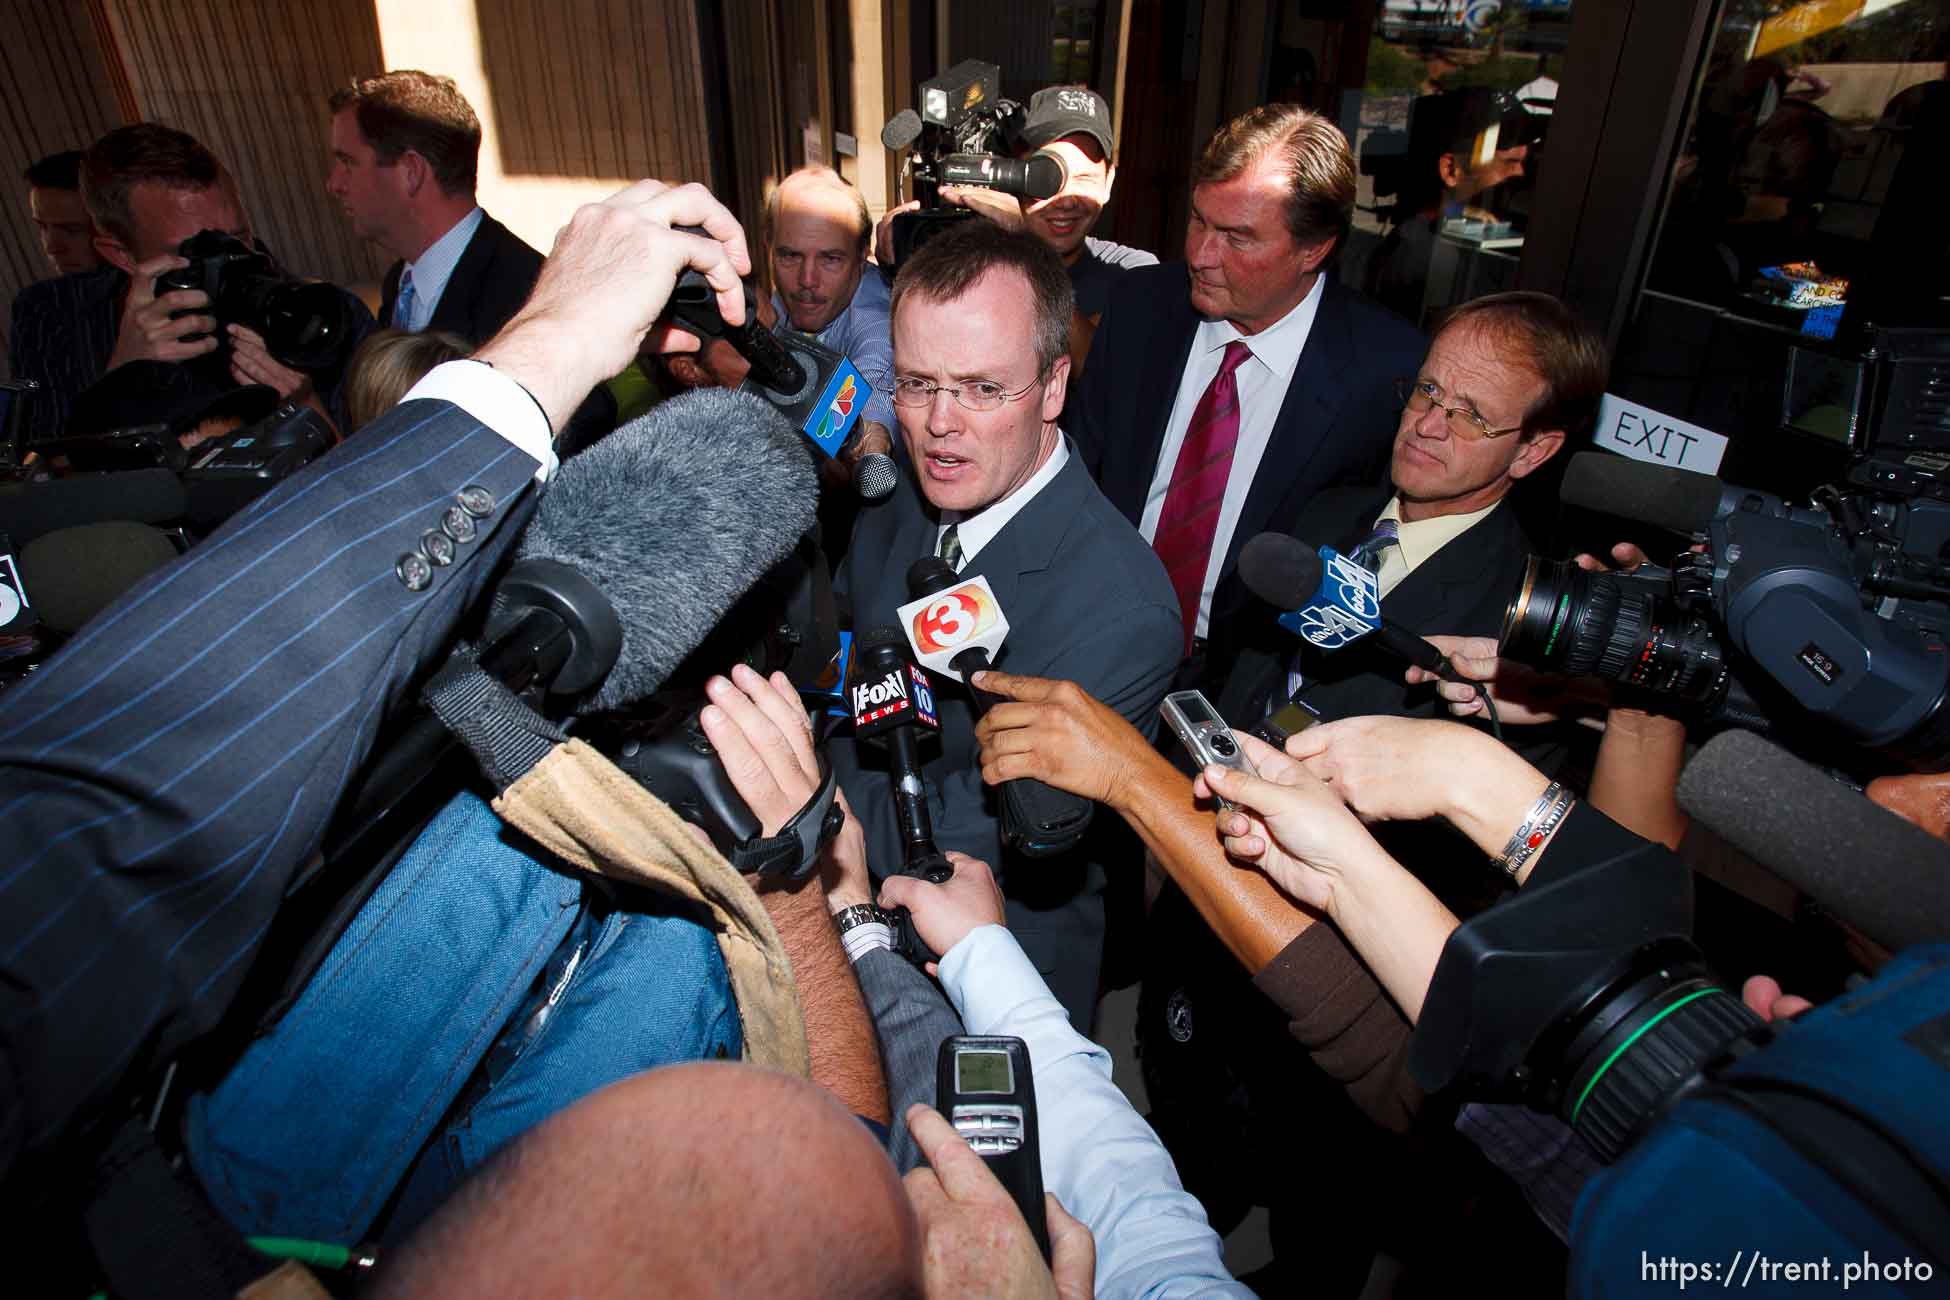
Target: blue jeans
(312, 1131)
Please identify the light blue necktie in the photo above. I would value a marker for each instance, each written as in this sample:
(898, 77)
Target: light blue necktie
(403, 305)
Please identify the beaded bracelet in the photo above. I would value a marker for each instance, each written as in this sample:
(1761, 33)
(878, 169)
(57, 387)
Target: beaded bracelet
(1536, 827)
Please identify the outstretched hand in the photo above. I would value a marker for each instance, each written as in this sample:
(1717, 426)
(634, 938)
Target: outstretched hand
(607, 280)
(1057, 733)
(1288, 823)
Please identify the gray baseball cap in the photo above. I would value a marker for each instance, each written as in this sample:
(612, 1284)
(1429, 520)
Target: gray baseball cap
(1057, 111)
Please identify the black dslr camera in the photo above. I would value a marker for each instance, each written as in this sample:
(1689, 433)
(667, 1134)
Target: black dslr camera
(304, 325)
(1844, 606)
(965, 134)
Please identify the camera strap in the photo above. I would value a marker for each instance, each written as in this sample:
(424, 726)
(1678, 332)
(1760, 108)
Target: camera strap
(795, 850)
(506, 737)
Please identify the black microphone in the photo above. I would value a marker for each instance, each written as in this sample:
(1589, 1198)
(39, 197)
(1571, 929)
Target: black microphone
(72, 574)
(1038, 820)
(1877, 872)
(891, 702)
(1677, 500)
(144, 496)
(821, 392)
(1330, 601)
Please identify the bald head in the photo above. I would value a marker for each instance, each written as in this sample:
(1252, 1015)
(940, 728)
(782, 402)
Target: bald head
(710, 1178)
(817, 228)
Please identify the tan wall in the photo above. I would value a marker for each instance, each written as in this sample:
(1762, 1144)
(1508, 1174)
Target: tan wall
(249, 78)
(576, 97)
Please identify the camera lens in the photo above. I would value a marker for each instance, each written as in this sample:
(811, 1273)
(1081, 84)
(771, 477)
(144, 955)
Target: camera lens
(1565, 619)
(305, 326)
(1614, 1062)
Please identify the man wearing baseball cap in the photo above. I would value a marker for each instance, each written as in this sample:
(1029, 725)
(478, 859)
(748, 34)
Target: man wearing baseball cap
(1074, 124)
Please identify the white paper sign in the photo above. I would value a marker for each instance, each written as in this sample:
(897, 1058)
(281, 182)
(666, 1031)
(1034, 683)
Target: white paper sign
(1645, 434)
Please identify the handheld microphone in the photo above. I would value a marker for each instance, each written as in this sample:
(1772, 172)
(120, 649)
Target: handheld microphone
(956, 627)
(818, 390)
(1330, 601)
(1877, 872)
(892, 702)
(72, 574)
(144, 496)
(16, 605)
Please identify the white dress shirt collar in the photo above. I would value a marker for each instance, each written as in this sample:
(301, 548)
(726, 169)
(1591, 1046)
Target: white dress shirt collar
(979, 529)
(1278, 346)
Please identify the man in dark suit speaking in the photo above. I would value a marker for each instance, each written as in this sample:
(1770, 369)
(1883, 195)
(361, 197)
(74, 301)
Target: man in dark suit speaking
(1223, 392)
(981, 328)
(169, 771)
(405, 148)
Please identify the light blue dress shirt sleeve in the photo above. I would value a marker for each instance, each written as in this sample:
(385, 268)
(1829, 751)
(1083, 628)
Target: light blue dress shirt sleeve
(1100, 1159)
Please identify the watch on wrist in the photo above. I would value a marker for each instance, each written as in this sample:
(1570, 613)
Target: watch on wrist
(848, 918)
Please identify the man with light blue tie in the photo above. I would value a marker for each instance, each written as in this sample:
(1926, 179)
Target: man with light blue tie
(405, 150)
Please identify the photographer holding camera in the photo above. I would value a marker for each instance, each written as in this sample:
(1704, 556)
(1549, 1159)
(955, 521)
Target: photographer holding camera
(1072, 124)
(151, 189)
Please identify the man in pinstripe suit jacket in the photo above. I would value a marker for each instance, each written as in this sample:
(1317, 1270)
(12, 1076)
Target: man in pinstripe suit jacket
(163, 777)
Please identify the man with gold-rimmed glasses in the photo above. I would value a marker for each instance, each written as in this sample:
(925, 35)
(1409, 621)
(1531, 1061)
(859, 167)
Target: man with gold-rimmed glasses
(1507, 380)
(992, 485)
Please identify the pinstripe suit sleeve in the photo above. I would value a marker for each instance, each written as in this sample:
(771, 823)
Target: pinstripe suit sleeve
(163, 777)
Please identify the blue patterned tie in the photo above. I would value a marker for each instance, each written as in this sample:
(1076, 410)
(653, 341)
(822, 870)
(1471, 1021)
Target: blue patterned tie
(1367, 553)
(403, 305)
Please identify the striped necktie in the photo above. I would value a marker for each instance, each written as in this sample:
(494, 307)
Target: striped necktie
(1387, 533)
(951, 547)
(1190, 518)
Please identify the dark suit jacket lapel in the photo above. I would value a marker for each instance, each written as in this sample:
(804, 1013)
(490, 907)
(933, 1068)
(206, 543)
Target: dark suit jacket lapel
(1028, 543)
(1446, 584)
(1172, 327)
(1314, 397)
(456, 309)
(389, 294)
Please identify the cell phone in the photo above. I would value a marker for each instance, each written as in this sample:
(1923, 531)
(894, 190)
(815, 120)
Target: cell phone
(984, 1088)
(1286, 722)
(1205, 734)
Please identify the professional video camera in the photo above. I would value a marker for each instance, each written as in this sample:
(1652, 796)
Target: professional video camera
(1584, 997)
(305, 325)
(1843, 606)
(965, 134)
